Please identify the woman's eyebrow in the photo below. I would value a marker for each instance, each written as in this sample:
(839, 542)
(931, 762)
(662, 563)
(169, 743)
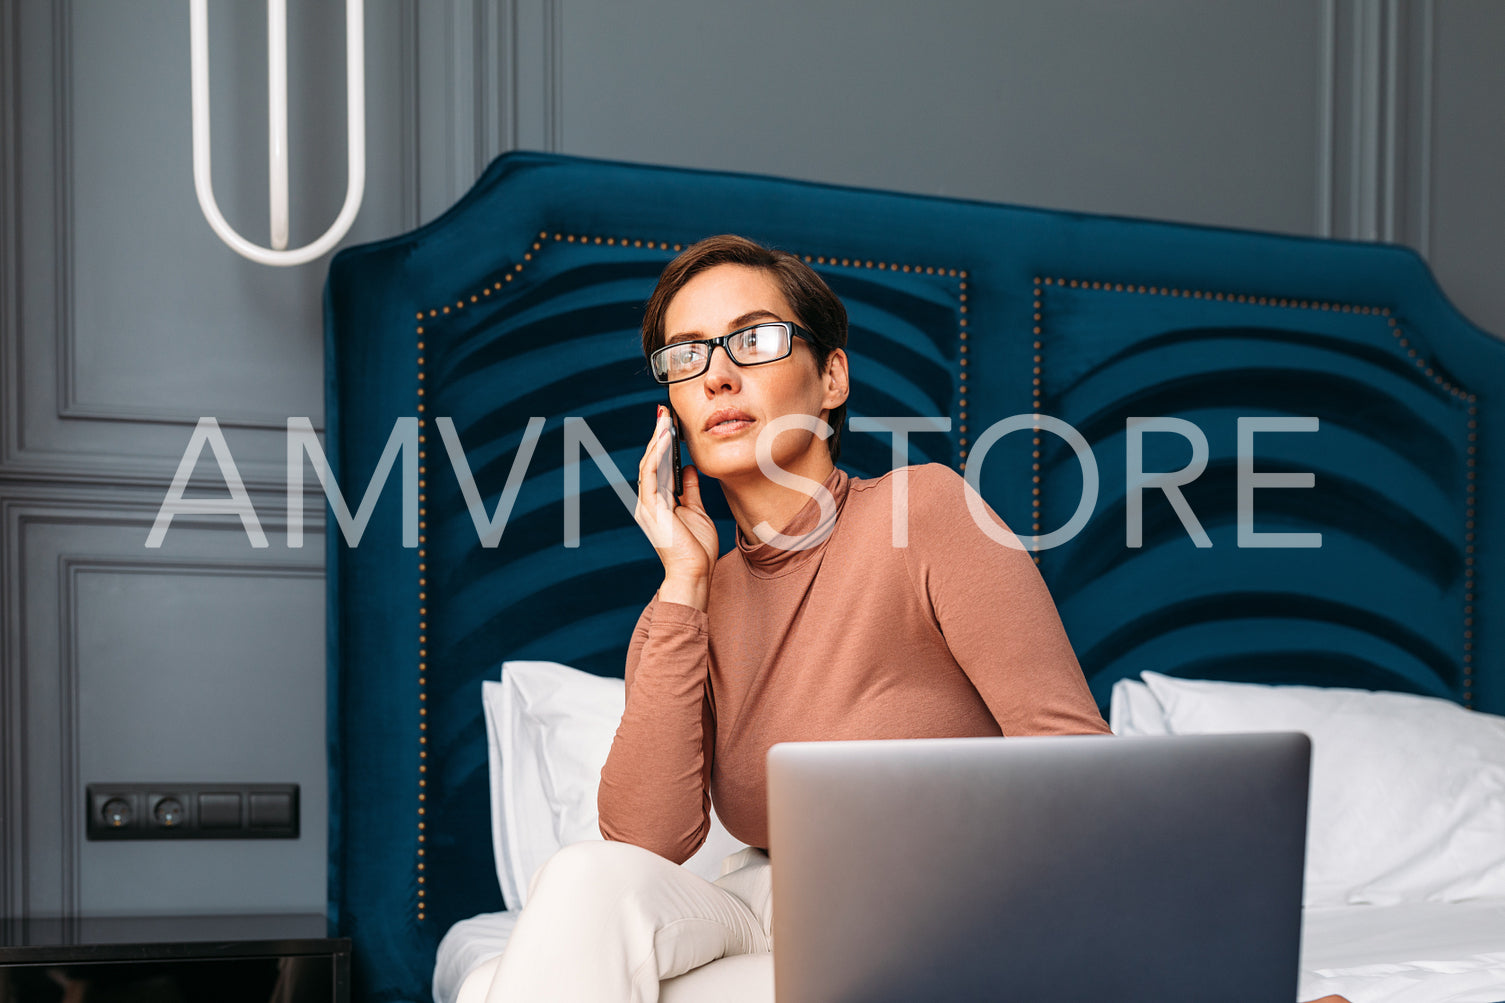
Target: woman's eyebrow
(750, 317)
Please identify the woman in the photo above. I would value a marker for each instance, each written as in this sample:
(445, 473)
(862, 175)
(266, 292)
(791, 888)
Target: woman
(834, 631)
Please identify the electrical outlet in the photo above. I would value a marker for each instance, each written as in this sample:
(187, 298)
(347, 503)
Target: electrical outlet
(192, 811)
(167, 811)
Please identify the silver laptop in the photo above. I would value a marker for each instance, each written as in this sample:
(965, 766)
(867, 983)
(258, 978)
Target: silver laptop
(1062, 868)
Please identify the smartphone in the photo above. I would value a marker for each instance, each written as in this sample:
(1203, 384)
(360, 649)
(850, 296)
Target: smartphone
(671, 466)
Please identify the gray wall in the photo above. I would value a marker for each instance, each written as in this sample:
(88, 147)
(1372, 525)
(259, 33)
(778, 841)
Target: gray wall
(123, 319)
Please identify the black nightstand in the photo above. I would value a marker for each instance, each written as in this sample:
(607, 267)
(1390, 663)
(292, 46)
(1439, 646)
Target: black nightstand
(159, 959)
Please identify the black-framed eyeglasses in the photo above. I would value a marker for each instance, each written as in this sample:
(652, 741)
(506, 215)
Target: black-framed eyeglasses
(761, 343)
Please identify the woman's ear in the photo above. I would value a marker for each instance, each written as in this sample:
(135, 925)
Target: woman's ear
(835, 380)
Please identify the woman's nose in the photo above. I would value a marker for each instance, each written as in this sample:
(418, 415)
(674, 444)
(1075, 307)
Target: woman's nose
(722, 372)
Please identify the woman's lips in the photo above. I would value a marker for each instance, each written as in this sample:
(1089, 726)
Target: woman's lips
(730, 427)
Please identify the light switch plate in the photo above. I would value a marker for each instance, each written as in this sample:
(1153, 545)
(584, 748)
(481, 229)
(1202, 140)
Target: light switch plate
(191, 811)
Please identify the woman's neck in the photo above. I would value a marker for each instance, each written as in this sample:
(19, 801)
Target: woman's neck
(758, 500)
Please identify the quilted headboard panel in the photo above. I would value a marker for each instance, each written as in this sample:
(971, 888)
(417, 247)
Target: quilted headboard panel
(520, 308)
(1383, 603)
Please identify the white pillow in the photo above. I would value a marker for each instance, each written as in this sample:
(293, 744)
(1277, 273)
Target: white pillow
(1407, 792)
(1133, 710)
(549, 728)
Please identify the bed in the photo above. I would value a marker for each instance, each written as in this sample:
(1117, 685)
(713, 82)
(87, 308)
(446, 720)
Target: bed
(517, 310)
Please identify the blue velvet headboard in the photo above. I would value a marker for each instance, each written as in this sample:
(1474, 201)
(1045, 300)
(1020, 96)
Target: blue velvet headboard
(524, 301)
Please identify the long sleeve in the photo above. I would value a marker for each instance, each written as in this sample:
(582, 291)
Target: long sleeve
(995, 613)
(655, 784)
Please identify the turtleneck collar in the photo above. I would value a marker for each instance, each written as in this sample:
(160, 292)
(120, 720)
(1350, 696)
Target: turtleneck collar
(767, 560)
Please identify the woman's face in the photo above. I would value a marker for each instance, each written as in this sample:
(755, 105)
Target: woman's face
(718, 301)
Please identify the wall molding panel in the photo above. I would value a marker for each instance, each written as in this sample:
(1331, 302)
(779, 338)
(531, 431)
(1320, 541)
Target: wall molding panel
(65, 537)
(62, 202)
(68, 402)
(488, 71)
(72, 568)
(51, 434)
(13, 848)
(61, 421)
(9, 224)
(534, 53)
(489, 79)
(1375, 120)
(12, 718)
(1424, 113)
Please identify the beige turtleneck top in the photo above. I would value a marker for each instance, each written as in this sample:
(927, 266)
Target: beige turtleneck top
(954, 634)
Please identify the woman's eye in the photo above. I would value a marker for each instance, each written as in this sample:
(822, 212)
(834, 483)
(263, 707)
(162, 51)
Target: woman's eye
(766, 341)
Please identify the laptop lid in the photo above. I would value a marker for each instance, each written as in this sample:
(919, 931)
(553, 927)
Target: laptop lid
(1164, 868)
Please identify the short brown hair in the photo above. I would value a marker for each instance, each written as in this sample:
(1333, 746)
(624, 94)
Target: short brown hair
(815, 305)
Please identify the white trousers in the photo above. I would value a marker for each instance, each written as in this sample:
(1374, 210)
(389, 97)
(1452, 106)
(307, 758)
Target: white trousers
(606, 922)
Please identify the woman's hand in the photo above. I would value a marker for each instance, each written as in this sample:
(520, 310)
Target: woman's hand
(682, 534)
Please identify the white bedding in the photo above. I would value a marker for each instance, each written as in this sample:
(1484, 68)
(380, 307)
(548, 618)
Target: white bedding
(1424, 952)
(468, 945)
(1419, 952)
